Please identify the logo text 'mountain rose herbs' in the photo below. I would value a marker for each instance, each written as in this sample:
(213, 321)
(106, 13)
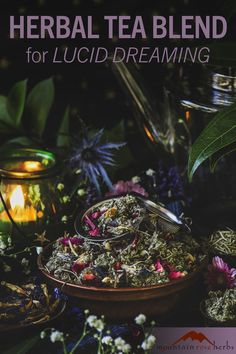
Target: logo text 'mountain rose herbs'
(203, 340)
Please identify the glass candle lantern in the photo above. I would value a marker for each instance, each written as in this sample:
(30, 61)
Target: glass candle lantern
(28, 201)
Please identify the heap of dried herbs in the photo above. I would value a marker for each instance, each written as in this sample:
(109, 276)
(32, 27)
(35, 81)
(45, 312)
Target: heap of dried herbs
(223, 242)
(114, 217)
(151, 256)
(221, 305)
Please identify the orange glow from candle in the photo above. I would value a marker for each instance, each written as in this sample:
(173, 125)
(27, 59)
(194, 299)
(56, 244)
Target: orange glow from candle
(147, 131)
(32, 166)
(187, 116)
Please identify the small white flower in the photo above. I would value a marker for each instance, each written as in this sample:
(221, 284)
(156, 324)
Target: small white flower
(42, 334)
(107, 340)
(64, 219)
(91, 320)
(56, 336)
(77, 172)
(150, 172)
(140, 319)
(60, 186)
(149, 342)
(99, 325)
(122, 345)
(136, 179)
(66, 199)
(86, 312)
(81, 192)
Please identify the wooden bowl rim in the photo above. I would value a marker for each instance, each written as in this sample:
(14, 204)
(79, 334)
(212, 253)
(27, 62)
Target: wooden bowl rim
(170, 284)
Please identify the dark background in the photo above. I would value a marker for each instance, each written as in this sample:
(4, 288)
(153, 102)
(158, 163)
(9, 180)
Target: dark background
(92, 90)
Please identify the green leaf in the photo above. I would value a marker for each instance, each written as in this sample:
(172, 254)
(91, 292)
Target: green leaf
(219, 133)
(6, 126)
(15, 102)
(63, 135)
(220, 154)
(23, 347)
(39, 103)
(21, 141)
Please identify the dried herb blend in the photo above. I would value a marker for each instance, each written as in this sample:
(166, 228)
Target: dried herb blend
(221, 305)
(27, 303)
(152, 256)
(224, 242)
(114, 217)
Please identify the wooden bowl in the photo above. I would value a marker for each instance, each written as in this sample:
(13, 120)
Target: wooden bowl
(125, 303)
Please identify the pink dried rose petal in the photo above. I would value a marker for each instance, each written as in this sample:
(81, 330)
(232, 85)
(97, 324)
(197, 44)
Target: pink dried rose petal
(73, 240)
(96, 214)
(176, 275)
(89, 276)
(89, 222)
(158, 266)
(94, 232)
(79, 266)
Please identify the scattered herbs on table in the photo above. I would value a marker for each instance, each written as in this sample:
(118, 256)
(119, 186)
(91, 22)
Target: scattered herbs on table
(26, 303)
(224, 242)
(221, 305)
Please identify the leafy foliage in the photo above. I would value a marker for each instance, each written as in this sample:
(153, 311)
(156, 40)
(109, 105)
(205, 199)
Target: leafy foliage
(38, 105)
(216, 140)
(24, 117)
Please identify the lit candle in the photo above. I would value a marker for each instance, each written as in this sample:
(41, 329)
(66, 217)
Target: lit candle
(18, 210)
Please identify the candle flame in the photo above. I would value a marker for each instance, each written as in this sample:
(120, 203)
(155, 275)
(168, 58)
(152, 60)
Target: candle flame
(17, 198)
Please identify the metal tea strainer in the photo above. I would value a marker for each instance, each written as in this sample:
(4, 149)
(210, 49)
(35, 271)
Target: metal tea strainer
(165, 219)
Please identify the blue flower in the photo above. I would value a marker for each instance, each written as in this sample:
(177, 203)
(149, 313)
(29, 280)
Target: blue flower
(91, 157)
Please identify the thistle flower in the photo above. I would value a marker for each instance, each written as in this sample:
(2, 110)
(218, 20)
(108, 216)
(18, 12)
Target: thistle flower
(220, 275)
(91, 156)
